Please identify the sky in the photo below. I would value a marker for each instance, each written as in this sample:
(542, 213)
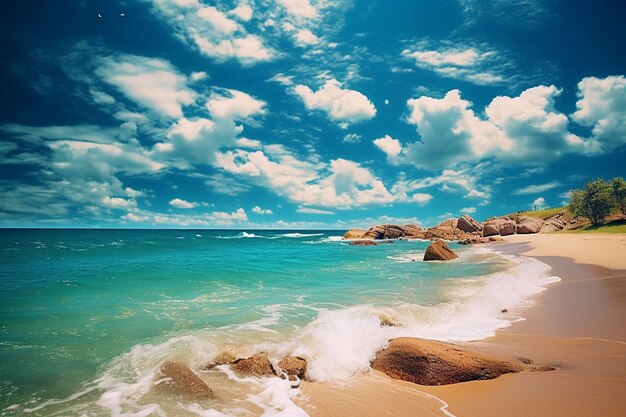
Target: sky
(304, 114)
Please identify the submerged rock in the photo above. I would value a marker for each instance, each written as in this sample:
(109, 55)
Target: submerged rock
(439, 251)
(179, 378)
(363, 243)
(427, 362)
(258, 364)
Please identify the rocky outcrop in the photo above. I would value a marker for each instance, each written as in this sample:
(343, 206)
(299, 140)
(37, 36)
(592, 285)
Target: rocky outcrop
(293, 366)
(553, 224)
(393, 231)
(502, 226)
(478, 239)
(527, 225)
(446, 230)
(354, 234)
(427, 362)
(258, 364)
(468, 224)
(439, 251)
(178, 378)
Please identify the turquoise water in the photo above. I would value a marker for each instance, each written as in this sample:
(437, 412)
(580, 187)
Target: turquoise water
(88, 315)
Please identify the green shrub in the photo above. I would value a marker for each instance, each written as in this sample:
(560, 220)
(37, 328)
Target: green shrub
(594, 202)
(619, 193)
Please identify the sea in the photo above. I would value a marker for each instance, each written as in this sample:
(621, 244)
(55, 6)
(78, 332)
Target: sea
(88, 316)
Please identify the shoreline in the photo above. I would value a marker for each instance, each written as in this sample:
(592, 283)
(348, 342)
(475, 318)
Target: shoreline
(577, 326)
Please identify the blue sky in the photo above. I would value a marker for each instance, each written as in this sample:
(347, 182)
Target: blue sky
(304, 113)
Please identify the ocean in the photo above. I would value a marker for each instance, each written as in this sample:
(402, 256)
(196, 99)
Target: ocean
(87, 317)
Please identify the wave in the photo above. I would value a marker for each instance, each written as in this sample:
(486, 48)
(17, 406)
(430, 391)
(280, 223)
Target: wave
(297, 235)
(337, 344)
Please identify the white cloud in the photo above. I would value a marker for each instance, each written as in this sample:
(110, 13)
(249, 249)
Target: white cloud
(305, 37)
(226, 185)
(259, 210)
(536, 189)
(602, 106)
(182, 204)
(216, 218)
(243, 11)
(342, 105)
(233, 104)
(352, 138)
(212, 32)
(468, 210)
(391, 147)
(118, 203)
(461, 181)
(475, 64)
(299, 8)
(421, 198)
(309, 210)
(150, 82)
(539, 203)
(197, 140)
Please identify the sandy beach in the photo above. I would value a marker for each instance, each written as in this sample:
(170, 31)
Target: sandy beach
(577, 326)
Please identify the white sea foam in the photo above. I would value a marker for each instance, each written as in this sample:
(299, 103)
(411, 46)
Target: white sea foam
(298, 235)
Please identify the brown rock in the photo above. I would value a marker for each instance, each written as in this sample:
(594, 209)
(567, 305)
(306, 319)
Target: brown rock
(412, 231)
(363, 243)
(527, 225)
(258, 364)
(502, 226)
(222, 358)
(468, 224)
(439, 251)
(177, 377)
(427, 362)
(553, 224)
(474, 240)
(293, 366)
(355, 234)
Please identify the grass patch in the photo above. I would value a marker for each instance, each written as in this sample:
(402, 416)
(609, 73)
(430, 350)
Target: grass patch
(615, 226)
(544, 214)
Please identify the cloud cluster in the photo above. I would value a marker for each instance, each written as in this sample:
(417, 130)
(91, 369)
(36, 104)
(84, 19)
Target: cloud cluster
(526, 129)
(340, 104)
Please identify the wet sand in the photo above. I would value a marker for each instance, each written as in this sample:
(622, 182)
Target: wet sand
(577, 326)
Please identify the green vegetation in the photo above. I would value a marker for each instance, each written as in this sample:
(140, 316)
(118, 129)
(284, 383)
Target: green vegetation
(544, 214)
(619, 192)
(616, 226)
(595, 201)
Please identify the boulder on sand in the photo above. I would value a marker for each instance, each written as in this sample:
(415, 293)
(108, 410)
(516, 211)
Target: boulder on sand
(427, 362)
(468, 224)
(527, 225)
(439, 251)
(502, 226)
(179, 378)
(293, 366)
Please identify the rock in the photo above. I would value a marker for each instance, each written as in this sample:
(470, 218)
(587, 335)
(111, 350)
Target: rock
(412, 231)
(355, 234)
(502, 226)
(293, 366)
(468, 224)
(474, 240)
(178, 377)
(553, 224)
(258, 364)
(363, 243)
(451, 223)
(427, 362)
(527, 225)
(393, 231)
(439, 251)
(447, 230)
(222, 358)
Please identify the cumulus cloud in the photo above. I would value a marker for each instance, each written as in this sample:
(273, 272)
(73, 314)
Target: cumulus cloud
(212, 32)
(305, 37)
(341, 105)
(468, 210)
(475, 64)
(182, 204)
(259, 210)
(150, 82)
(391, 147)
(197, 141)
(212, 219)
(299, 8)
(233, 104)
(538, 204)
(602, 106)
(461, 181)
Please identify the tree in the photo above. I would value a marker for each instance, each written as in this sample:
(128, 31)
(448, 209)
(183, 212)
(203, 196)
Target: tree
(619, 193)
(594, 202)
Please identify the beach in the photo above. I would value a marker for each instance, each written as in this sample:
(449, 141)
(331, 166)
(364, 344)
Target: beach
(577, 326)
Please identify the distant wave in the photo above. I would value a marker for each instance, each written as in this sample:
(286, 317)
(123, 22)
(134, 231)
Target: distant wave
(297, 235)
